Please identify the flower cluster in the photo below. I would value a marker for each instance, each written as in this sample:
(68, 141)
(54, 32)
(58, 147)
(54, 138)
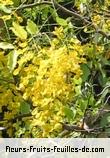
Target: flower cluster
(10, 98)
(6, 2)
(49, 79)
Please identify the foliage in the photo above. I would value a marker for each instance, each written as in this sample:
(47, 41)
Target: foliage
(50, 73)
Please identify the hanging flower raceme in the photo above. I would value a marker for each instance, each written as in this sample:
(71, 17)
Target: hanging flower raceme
(49, 81)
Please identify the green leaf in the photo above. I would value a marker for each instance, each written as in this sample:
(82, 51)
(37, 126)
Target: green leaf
(25, 107)
(19, 31)
(69, 113)
(86, 72)
(5, 9)
(12, 60)
(16, 2)
(83, 104)
(78, 90)
(105, 120)
(101, 2)
(83, 1)
(61, 21)
(102, 78)
(77, 81)
(31, 27)
(5, 45)
(105, 61)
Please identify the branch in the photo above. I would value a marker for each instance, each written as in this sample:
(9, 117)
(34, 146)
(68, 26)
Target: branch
(76, 128)
(13, 119)
(68, 12)
(21, 116)
(6, 80)
(104, 10)
(84, 19)
(63, 134)
(101, 32)
(79, 129)
(32, 5)
(100, 114)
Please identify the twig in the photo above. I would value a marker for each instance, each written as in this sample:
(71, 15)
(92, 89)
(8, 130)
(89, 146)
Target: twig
(104, 10)
(63, 134)
(8, 81)
(84, 19)
(102, 32)
(108, 86)
(68, 12)
(22, 116)
(15, 118)
(100, 113)
(79, 129)
(32, 5)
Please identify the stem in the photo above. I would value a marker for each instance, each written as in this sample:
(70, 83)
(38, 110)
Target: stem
(68, 12)
(32, 5)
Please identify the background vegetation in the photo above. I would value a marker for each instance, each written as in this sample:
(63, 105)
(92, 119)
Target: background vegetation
(54, 68)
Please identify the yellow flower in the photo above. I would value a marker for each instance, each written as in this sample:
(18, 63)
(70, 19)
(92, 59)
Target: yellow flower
(58, 126)
(6, 2)
(59, 32)
(50, 78)
(6, 17)
(97, 19)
